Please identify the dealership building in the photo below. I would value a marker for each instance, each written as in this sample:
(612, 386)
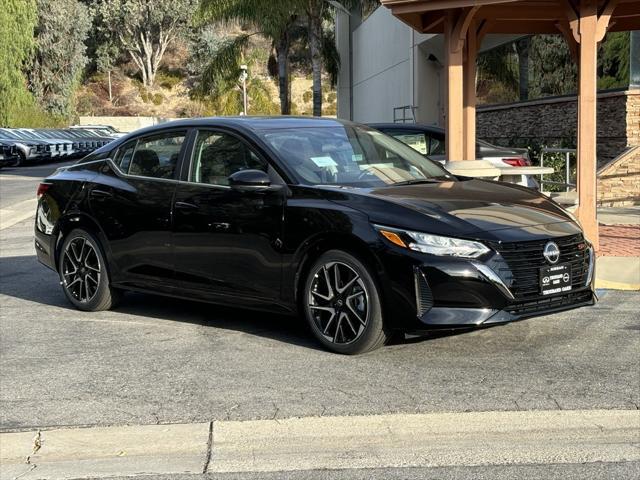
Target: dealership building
(392, 73)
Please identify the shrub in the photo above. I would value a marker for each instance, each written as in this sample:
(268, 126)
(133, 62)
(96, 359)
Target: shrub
(157, 99)
(307, 96)
(168, 80)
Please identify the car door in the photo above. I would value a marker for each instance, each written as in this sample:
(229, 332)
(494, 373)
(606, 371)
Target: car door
(227, 242)
(132, 199)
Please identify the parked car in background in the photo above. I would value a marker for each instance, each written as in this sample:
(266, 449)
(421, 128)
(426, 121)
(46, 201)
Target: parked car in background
(354, 231)
(430, 142)
(59, 144)
(29, 151)
(104, 130)
(8, 155)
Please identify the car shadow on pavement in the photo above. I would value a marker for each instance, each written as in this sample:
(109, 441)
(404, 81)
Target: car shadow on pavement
(22, 277)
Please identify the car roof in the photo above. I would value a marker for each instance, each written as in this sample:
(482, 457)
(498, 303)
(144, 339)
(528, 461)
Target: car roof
(418, 127)
(249, 123)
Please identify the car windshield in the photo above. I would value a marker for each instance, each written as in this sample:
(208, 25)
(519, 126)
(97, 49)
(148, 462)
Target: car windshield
(351, 156)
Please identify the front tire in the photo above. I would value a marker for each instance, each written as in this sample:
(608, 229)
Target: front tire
(342, 304)
(83, 273)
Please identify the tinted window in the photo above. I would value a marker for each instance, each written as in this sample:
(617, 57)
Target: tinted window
(157, 156)
(437, 146)
(217, 155)
(124, 155)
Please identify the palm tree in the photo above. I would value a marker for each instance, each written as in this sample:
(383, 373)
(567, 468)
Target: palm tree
(272, 20)
(322, 47)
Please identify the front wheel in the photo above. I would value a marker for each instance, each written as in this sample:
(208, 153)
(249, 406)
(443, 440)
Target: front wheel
(83, 273)
(342, 304)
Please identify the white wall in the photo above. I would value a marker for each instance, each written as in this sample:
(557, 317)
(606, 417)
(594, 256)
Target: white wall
(385, 64)
(124, 124)
(381, 67)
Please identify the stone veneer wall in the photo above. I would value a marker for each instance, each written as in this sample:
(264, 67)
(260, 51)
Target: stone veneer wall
(553, 122)
(619, 181)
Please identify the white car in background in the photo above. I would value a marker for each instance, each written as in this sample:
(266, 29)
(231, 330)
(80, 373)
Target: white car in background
(430, 142)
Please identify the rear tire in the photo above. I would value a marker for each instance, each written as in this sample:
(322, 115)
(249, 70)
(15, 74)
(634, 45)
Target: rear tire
(342, 304)
(83, 273)
(20, 161)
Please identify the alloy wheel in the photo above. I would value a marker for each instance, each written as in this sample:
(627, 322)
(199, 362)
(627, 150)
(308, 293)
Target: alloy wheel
(81, 269)
(338, 302)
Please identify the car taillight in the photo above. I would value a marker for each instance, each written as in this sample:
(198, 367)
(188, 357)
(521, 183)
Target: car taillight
(517, 162)
(42, 189)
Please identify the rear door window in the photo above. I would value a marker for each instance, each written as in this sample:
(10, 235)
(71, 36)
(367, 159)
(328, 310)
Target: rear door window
(436, 145)
(157, 156)
(123, 157)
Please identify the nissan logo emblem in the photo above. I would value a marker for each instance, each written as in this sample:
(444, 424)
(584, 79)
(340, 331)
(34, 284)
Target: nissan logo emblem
(551, 252)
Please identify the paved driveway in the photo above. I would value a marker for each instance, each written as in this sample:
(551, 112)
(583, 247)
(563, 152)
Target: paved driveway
(158, 360)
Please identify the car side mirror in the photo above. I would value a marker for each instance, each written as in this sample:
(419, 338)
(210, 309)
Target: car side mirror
(249, 180)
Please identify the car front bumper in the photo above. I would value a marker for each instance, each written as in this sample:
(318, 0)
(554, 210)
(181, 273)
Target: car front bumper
(425, 292)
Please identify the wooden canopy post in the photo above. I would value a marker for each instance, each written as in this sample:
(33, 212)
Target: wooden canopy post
(454, 125)
(587, 159)
(471, 55)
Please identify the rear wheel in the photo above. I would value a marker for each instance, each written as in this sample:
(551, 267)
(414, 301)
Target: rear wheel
(20, 160)
(83, 273)
(342, 304)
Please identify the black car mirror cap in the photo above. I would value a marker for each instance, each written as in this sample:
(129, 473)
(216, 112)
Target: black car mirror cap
(249, 180)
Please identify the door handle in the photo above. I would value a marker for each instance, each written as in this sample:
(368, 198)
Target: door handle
(100, 194)
(186, 206)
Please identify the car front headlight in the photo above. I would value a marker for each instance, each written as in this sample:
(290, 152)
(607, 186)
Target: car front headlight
(433, 244)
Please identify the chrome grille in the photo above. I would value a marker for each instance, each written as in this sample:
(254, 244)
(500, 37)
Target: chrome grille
(522, 262)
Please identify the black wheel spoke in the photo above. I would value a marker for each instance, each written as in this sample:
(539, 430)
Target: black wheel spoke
(81, 269)
(338, 302)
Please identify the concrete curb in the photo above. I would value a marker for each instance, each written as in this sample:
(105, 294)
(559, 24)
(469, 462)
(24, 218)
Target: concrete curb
(608, 285)
(299, 444)
(618, 273)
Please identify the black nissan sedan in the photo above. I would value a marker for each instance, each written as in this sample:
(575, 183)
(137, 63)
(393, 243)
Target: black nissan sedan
(350, 228)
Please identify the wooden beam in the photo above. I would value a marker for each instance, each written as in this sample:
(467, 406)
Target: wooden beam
(432, 20)
(485, 27)
(587, 94)
(409, 6)
(604, 19)
(572, 18)
(454, 124)
(564, 28)
(462, 26)
(471, 51)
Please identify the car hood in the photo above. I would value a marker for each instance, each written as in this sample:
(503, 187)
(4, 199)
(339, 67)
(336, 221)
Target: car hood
(472, 208)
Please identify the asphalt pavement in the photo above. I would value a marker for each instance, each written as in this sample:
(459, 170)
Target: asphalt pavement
(156, 360)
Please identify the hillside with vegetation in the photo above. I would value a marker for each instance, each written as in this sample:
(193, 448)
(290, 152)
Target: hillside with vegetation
(169, 58)
(181, 58)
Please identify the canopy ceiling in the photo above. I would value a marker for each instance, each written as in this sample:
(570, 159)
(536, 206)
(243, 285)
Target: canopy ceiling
(512, 16)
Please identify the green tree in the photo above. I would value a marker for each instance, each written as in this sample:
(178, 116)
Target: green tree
(17, 21)
(60, 53)
(553, 70)
(614, 61)
(273, 20)
(144, 28)
(215, 67)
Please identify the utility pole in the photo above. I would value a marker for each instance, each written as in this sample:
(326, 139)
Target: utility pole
(244, 88)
